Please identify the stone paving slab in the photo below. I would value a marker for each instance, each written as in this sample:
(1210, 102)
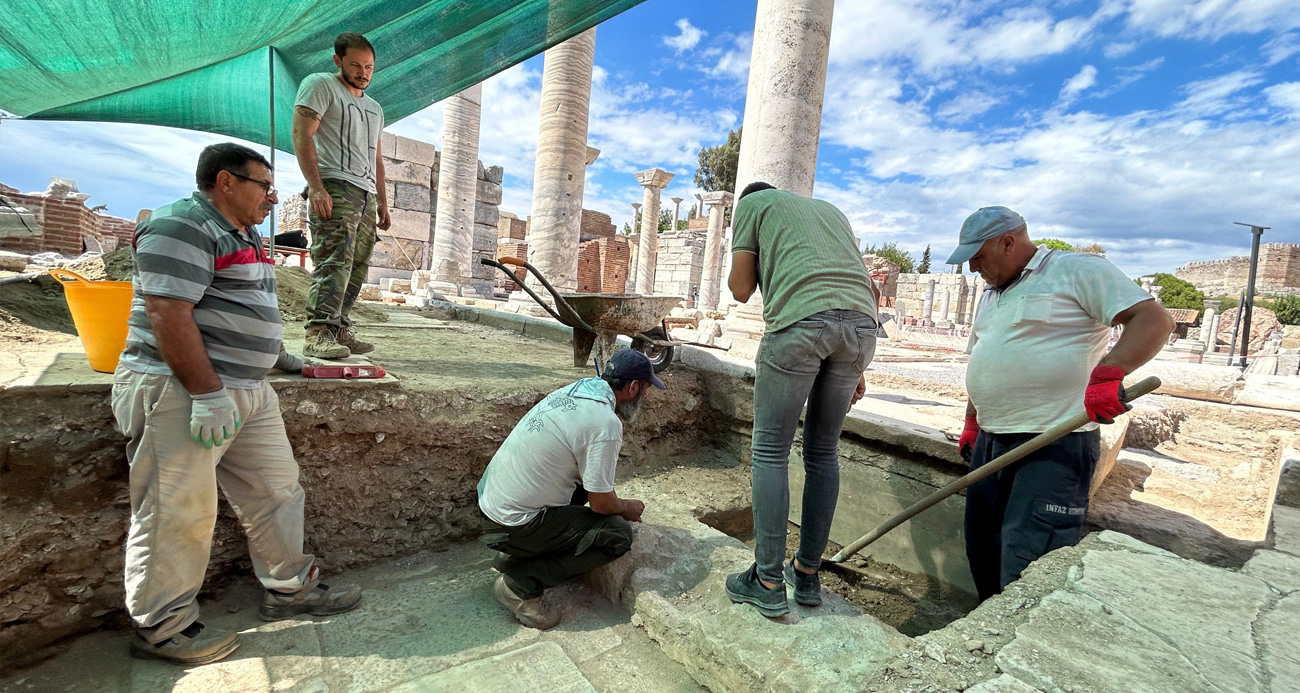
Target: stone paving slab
(541, 667)
(1280, 570)
(1276, 632)
(1286, 529)
(1002, 684)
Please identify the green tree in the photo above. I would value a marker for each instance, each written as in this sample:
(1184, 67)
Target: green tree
(665, 219)
(717, 170)
(627, 228)
(1054, 244)
(1287, 309)
(1178, 293)
(1091, 249)
(1227, 303)
(924, 267)
(890, 251)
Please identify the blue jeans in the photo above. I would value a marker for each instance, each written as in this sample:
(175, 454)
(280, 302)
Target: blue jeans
(817, 360)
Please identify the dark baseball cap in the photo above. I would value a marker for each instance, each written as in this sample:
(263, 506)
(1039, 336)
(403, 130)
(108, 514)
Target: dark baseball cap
(630, 364)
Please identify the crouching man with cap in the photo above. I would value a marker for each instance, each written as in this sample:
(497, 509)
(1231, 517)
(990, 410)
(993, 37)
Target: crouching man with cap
(1037, 359)
(534, 495)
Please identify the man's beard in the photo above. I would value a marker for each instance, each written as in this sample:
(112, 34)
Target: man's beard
(352, 84)
(627, 411)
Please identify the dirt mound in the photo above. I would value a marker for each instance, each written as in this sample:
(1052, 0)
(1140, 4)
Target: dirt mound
(115, 267)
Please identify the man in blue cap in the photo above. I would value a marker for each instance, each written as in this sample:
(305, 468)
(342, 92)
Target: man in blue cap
(1037, 359)
(534, 495)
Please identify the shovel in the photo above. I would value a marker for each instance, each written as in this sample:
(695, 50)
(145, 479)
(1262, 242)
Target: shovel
(1126, 395)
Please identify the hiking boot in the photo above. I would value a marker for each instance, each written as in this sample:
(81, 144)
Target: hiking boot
(197, 644)
(348, 338)
(746, 588)
(321, 344)
(533, 613)
(807, 588)
(504, 562)
(315, 598)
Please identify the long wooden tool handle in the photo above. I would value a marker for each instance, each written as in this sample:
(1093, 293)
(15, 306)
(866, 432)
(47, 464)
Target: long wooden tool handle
(1143, 387)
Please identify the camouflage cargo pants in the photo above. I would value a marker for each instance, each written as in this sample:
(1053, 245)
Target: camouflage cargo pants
(340, 253)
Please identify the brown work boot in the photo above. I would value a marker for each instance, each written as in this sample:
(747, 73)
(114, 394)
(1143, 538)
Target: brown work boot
(533, 613)
(321, 344)
(197, 644)
(315, 598)
(348, 338)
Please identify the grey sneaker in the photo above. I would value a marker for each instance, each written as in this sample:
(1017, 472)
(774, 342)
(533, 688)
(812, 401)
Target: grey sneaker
(348, 338)
(533, 613)
(321, 344)
(745, 588)
(315, 598)
(197, 644)
(807, 588)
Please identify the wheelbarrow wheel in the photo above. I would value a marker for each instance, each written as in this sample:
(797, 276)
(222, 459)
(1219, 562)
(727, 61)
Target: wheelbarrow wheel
(660, 356)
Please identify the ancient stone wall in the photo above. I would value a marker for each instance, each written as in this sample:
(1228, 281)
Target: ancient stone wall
(603, 265)
(68, 226)
(1278, 272)
(596, 225)
(912, 289)
(884, 272)
(292, 214)
(511, 227)
(680, 264)
(387, 472)
(487, 219)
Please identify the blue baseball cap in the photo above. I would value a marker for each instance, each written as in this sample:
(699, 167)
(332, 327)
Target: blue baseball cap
(630, 364)
(985, 223)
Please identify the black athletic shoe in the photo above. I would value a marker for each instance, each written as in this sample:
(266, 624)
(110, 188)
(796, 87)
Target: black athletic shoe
(807, 588)
(745, 588)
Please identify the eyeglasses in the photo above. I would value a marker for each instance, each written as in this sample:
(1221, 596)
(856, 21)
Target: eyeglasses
(266, 186)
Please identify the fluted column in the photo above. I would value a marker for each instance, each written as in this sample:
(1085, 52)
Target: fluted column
(652, 181)
(710, 282)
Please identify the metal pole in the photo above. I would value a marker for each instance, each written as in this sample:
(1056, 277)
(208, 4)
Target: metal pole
(1256, 232)
(1236, 325)
(270, 55)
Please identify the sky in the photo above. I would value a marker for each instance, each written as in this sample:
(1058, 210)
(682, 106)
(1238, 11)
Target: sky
(1148, 126)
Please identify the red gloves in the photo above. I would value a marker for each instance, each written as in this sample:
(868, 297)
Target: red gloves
(966, 443)
(1101, 399)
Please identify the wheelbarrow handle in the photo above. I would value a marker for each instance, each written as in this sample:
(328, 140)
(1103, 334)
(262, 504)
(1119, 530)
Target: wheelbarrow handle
(509, 261)
(567, 315)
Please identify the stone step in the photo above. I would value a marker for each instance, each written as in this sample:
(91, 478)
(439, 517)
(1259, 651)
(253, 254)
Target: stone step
(673, 581)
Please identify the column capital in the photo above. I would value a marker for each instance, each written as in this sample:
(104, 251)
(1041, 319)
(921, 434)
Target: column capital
(677, 200)
(718, 198)
(654, 178)
(592, 154)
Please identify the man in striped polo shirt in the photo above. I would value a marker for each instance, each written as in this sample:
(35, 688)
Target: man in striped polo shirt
(190, 394)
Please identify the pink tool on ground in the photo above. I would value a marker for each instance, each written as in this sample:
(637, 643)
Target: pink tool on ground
(342, 372)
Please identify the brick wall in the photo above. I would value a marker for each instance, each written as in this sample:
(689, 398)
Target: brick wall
(1278, 272)
(68, 226)
(511, 227)
(698, 223)
(603, 265)
(596, 225)
(519, 251)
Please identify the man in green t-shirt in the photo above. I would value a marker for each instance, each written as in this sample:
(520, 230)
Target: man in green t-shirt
(819, 304)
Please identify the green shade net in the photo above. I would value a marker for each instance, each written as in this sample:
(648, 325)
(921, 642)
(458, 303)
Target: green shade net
(209, 64)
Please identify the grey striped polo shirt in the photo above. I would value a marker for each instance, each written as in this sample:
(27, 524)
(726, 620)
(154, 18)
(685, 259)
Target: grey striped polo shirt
(188, 251)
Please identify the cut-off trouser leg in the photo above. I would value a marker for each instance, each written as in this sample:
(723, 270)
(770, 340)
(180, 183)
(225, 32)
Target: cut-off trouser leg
(174, 483)
(817, 360)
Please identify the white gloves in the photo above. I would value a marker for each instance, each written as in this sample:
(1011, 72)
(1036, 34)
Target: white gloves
(214, 418)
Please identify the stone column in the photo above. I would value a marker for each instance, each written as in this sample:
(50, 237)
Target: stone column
(710, 282)
(945, 305)
(699, 210)
(783, 103)
(652, 181)
(561, 160)
(453, 235)
(980, 284)
(677, 210)
(927, 308)
(636, 216)
(1210, 325)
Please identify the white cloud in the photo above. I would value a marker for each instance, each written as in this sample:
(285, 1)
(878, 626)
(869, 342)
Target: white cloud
(1119, 50)
(968, 105)
(1286, 96)
(1215, 96)
(732, 63)
(1212, 19)
(1281, 47)
(1080, 82)
(688, 37)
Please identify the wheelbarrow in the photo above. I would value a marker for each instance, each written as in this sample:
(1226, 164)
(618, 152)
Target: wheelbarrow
(598, 319)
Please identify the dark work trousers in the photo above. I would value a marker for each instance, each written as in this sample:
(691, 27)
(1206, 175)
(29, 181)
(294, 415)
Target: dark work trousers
(1028, 509)
(558, 544)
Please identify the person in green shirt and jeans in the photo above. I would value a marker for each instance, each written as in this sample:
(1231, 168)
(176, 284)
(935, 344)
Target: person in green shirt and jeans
(819, 304)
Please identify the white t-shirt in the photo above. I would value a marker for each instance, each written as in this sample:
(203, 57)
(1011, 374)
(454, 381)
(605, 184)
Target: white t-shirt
(573, 436)
(1034, 345)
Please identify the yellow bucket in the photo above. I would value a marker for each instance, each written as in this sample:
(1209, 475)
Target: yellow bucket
(99, 311)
